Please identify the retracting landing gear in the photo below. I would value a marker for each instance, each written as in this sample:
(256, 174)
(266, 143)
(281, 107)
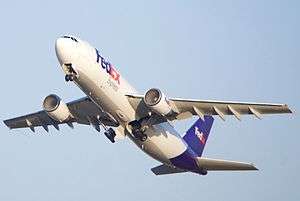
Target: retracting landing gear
(137, 131)
(110, 134)
(71, 74)
(69, 77)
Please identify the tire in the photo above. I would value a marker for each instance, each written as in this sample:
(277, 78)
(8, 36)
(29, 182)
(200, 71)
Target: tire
(67, 78)
(135, 124)
(110, 134)
(143, 137)
(71, 77)
(112, 140)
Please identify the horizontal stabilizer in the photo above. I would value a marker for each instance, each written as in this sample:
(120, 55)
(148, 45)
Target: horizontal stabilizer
(216, 164)
(164, 169)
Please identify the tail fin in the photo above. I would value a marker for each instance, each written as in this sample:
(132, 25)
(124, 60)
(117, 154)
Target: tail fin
(197, 135)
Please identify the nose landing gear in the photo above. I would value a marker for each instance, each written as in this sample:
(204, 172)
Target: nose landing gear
(137, 131)
(71, 74)
(69, 77)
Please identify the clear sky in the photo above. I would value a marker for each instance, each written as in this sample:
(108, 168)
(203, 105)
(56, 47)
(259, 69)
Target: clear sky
(226, 50)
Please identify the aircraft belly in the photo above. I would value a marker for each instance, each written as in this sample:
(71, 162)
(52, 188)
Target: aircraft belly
(163, 143)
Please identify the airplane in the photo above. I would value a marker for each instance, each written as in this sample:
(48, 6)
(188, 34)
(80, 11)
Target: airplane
(112, 104)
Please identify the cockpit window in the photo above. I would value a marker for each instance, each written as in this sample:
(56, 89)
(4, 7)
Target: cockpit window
(72, 38)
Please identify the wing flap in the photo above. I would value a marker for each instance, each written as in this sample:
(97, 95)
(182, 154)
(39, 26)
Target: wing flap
(227, 107)
(187, 107)
(82, 110)
(31, 120)
(219, 165)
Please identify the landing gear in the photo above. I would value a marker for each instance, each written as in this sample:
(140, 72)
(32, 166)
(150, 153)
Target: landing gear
(70, 72)
(139, 135)
(137, 131)
(69, 77)
(143, 137)
(110, 134)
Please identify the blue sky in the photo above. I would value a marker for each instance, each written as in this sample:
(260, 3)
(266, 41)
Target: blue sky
(226, 50)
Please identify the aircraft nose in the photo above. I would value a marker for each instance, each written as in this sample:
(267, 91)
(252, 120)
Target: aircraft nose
(60, 50)
(64, 48)
(59, 44)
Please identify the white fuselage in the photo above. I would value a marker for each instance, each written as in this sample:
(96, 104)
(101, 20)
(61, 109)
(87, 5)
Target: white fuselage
(109, 91)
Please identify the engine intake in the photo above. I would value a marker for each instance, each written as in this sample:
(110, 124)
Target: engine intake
(56, 108)
(157, 102)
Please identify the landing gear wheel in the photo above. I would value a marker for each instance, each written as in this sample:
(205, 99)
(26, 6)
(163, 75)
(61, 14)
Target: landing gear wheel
(110, 134)
(143, 137)
(67, 78)
(140, 135)
(71, 77)
(138, 131)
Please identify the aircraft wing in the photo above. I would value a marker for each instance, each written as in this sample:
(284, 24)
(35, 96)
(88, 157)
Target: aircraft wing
(83, 111)
(186, 108)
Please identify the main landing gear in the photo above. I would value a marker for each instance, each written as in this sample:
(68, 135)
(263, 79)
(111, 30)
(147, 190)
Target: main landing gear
(110, 134)
(138, 131)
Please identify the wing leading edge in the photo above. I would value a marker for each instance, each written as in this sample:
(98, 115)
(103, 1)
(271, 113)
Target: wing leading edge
(83, 111)
(186, 108)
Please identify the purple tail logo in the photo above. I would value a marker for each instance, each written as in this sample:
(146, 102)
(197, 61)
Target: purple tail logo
(200, 135)
(196, 137)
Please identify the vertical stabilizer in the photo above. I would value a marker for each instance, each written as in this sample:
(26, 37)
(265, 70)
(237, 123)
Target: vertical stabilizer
(197, 135)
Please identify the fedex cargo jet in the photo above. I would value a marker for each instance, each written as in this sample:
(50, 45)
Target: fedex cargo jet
(113, 105)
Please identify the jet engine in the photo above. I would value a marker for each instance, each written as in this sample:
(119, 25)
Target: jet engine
(157, 102)
(56, 108)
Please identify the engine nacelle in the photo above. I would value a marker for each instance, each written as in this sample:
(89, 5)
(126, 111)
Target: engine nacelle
(56, 108)
(157, 102)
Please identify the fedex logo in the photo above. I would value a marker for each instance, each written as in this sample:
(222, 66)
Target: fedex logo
(200, 135)
(108, 67)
